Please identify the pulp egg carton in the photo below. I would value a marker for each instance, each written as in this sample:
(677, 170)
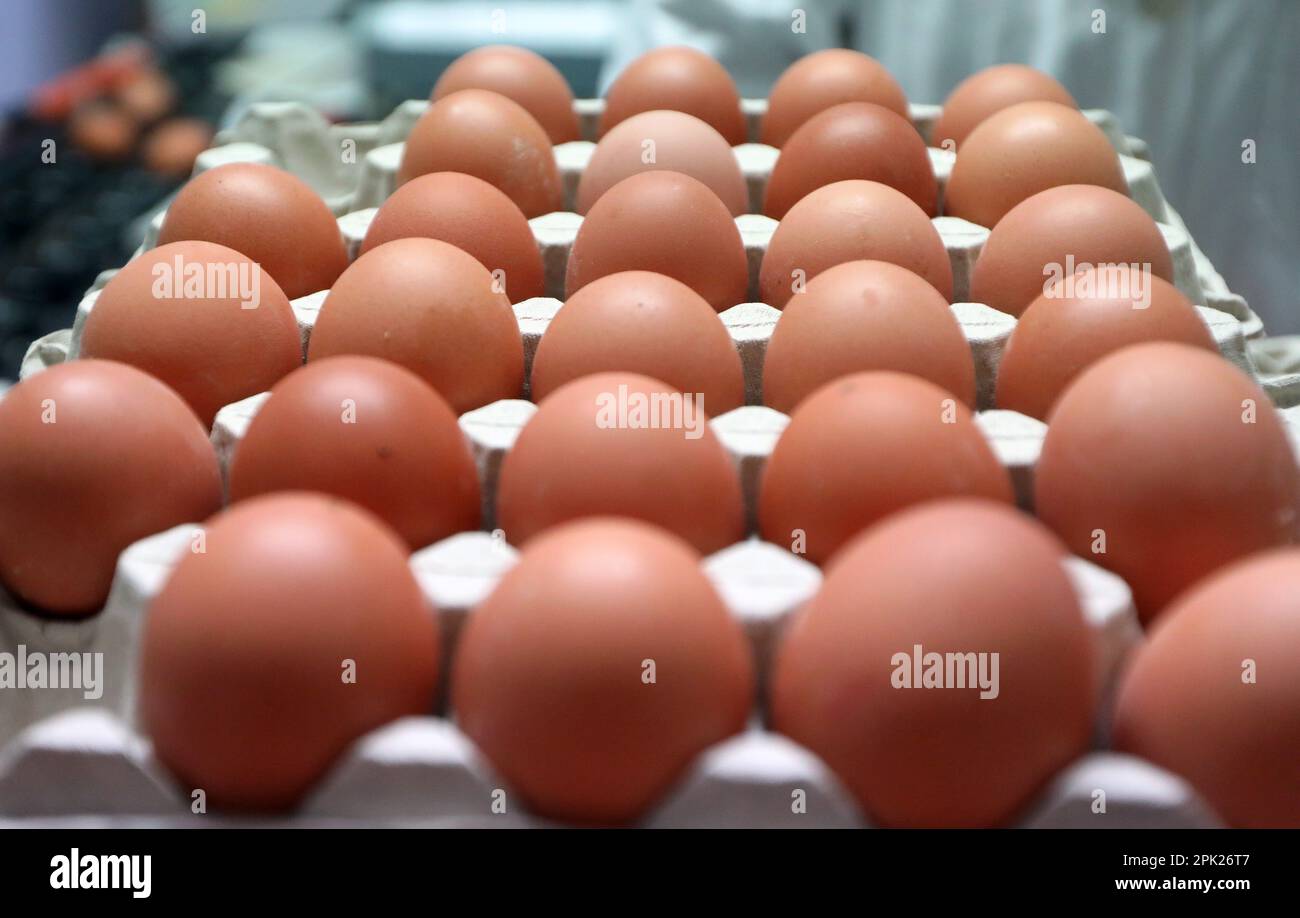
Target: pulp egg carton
(82, 762)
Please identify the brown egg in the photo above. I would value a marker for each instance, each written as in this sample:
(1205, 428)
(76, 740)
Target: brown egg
(433, 309)
(173, 146)
(1022, 150)
(1082, 319)
(621, 444)
(865, 315)
(989, 92)
(864, 676)
(1214, 695)
(490, 137)
(599, 668)
(272, 216)
(820, 80)
(94, 455)
(203, 318)
(1163, 463)
(851, 221)
(668, 223)
(521, 76)
(863, 447)
(103, 131)
(642, 323)
(297, 630)
(471, 215)
(368, 431)
(1058, 232)
(664, 140)
(681, 80)
(147, 96)
(855, 140)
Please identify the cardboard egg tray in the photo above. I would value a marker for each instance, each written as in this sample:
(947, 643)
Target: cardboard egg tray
(68, 759)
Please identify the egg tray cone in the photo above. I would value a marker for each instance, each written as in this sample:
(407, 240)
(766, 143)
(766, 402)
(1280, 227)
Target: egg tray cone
(64, 757)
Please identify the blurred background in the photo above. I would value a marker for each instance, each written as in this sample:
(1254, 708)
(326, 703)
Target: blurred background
(105, 103)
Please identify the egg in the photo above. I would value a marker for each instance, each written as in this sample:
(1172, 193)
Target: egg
(1058, 232)
(681, 80)
(171, 148)
(1214, 695)
(433, 309)
(855, 140)
(523, 77)
(272, 216)
(1022, 150)
(988, 92)
(865, 446)
(1081, 319)
(296, 630)
(851, 221)
(94, 455)
(205, 319)
(599, 668)
(664, 222)
(473, 216)
(865, 315)
(621, 444)
(893, 672)
(486, 135)
(1163, 462)
(664, 140)
(642, 323)
(103, 131)
(820, 80)
(370, 432)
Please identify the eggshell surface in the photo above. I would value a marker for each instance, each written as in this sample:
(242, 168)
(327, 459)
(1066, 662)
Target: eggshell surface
(669, 140)
(470, 214)
(863, 447)
(621, 444)
(822, 79)
(988, 92)
(974, 746)
(523, 77)
(1082, 319)
(602, 664)
(1163, 463)
(368, 431)
(668, 223)
(267, 214)
(488, 136)
(851, 221)
(1214, 695)
(180, 313)
(642, 323)
(433, 309)
(855, 140)
(245, 685)
(865, 315)
(679, 79)
(94, 455)
(1025, 149)
(1058, 232)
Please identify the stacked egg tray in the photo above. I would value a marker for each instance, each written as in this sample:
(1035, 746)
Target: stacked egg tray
(66, 759)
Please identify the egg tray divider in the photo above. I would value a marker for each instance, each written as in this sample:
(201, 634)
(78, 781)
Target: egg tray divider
(61, 758)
